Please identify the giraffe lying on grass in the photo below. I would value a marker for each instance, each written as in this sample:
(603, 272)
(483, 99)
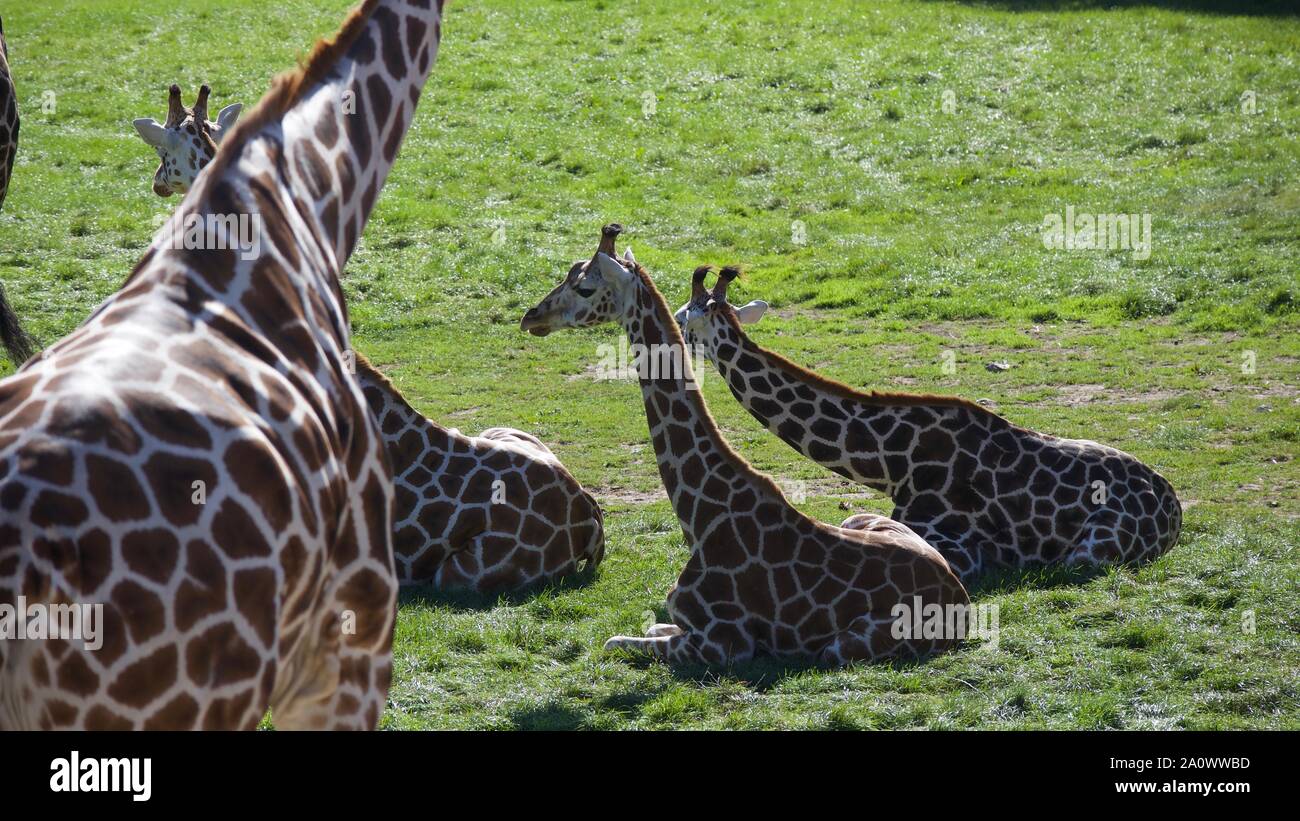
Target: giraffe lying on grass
(490, 512)
(984, 492)
(197, 461)
(762, 578)
(494, 512)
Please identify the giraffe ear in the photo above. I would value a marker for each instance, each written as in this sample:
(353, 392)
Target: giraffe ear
(226, 119)
(610, 269)
(751, 313)
(627, 254)
(150, 131)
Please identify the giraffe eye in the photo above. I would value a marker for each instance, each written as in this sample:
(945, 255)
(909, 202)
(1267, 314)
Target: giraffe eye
(585, 293)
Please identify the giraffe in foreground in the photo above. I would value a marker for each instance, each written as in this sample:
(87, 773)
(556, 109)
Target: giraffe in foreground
(196, 460)
(455, 526)
(495, 511)
(762, 578)
(12, 336)
(187, 141)
(984, 492)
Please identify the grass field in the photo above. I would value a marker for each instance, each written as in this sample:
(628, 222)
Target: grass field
(883, 170)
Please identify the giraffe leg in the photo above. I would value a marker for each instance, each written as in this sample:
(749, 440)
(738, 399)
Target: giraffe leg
(663, 630)
(863, 640)
(966, 561)
(859, 521)
(871, 638)
(656, 646)
(1108, 537)
(675, 649)
(967, 556)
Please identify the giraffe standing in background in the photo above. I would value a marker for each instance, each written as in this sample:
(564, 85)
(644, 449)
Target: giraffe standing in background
(762, 578)
(15, 340)
(490, 512)
(197, 461)
(984, 492)
(187, 141)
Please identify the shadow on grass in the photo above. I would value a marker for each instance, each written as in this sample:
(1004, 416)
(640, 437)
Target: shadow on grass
(470, 601)
(1252, 8)
(628, 702)
(760, 674)
(764, 673)
(547, 717)
(996, 582)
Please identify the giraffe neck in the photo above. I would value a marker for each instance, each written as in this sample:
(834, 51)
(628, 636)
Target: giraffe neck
(858, 436)
(699, 469)
(397, 415)
(332, 130)
(291, 188)
(347, 120)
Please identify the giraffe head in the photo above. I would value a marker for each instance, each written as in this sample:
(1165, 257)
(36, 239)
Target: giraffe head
(186, 142)
(708, 314)
(594, 291)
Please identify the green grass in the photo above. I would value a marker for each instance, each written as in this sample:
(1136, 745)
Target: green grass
(921, 236)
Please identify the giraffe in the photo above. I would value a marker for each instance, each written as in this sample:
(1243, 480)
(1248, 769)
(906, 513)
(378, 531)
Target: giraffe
(762, 578)
(195, 459)
(983, 491)
(15, 340)
(490, 512)
(187, 141)
(454, 526)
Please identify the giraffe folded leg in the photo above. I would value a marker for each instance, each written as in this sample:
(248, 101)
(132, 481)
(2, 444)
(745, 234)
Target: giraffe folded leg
(675, 649)
(870, 638)
(863, 640)
(663, 630)
(965, 560)
(656, 646)
(1108, 537)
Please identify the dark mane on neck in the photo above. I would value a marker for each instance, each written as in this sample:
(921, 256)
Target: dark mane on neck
(379, 376)
(839, 389)
(367, 368)
(288, 87)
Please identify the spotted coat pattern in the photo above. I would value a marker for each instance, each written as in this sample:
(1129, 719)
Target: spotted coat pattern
(762, 578)
(196, 458)
(492, 512)
(983, 491)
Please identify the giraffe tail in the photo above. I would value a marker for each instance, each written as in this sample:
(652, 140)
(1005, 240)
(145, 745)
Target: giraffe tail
(12, 336)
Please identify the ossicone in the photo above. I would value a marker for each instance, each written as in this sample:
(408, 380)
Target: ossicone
(725, 276)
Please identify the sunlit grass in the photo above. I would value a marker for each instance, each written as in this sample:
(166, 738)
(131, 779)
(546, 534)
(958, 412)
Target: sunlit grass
(811, 143)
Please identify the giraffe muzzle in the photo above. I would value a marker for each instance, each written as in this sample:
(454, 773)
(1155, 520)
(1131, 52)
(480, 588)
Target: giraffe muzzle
(534, 324)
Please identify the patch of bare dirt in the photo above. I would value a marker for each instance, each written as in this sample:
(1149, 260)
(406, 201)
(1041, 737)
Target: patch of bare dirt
(628, 495)
(1073, 395)
(591, 372)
